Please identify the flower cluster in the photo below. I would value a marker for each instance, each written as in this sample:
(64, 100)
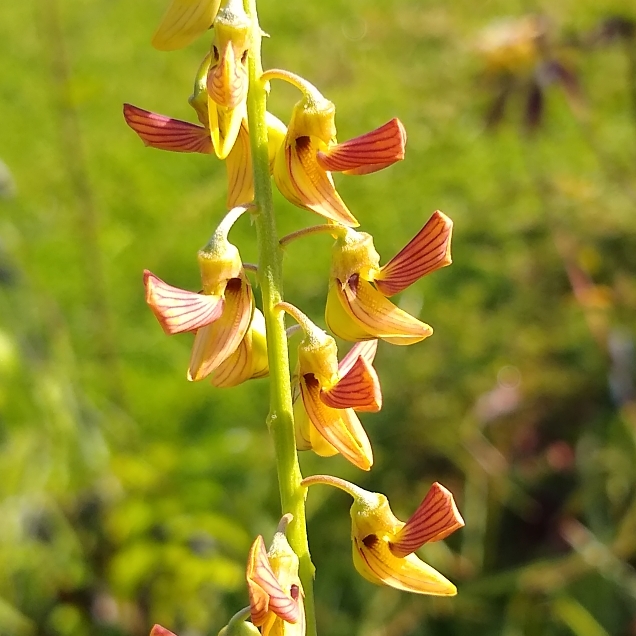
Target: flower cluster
(231, 333)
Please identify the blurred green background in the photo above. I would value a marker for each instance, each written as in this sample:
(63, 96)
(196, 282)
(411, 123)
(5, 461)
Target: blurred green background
(129, 496)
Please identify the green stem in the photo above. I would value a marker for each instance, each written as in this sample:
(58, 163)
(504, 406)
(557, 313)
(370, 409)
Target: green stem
(280, 419)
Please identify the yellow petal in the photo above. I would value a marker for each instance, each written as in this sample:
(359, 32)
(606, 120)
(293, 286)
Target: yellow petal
(427, 251)
(340, 427)
(183, 22)
(339, 321)
(178, 310)
(435, 518)
(307, 435)
(305, 184)
(214, 343)
(376, 315)
(373, 559)
(248, 361)
(276, 132)
(240, 188)
(225, 124)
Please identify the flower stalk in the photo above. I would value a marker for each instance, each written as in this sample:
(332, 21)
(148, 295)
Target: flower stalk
(280, 419)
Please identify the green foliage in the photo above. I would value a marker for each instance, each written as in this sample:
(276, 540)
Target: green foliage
(129, 496)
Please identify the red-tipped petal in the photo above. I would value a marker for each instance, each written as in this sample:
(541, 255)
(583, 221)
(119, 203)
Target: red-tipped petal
(178, 310)
(359, 389)
(365, 349)
(266, 594)
(340, 427)
(367, 153)
(216, 342)
(165, 133)
(158, 630)
(303, 182)
(436, 517)
(378, 316)
(428, 251)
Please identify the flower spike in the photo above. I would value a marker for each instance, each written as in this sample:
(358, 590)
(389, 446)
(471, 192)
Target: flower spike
(310, 153)
(357, 305)
(383, 546)
(183, 22)
(275, 590)
(327, 394)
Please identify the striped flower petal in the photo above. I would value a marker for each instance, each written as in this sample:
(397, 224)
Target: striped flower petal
(340, 427)
(249, 360)
(366, 349)
(265, 592)
(358, 389)
(240, 182)
(307, 435)
(367, 153)
(166, 133)
(178, 310)
(183, 22)
(436, 517)
(428, 251)
(216, 342)
(227, 79)
(374, 560)
(305, 184)
(376, 316)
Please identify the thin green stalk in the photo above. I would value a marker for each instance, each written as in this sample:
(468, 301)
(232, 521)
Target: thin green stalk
(280, 419)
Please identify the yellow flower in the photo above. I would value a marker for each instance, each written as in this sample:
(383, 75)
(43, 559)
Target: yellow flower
(310, 153)
(276, 593)
(327, 394)
(221, 315)
(384, 546)
(357, 305)
(183, 22)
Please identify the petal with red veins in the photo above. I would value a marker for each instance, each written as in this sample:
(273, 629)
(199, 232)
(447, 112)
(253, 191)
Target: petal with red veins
(340, 321)
(367, 153)
(303, 182)
(166, 133)
(340, 427)
(375, 562)
(183, 22)
(216, 342)
(248, 361)
(365, 349)
(265, 592)
(358, 389)
(178, 310)
(379, 317)
(427, 251)
(436, 517)
(239, 171)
